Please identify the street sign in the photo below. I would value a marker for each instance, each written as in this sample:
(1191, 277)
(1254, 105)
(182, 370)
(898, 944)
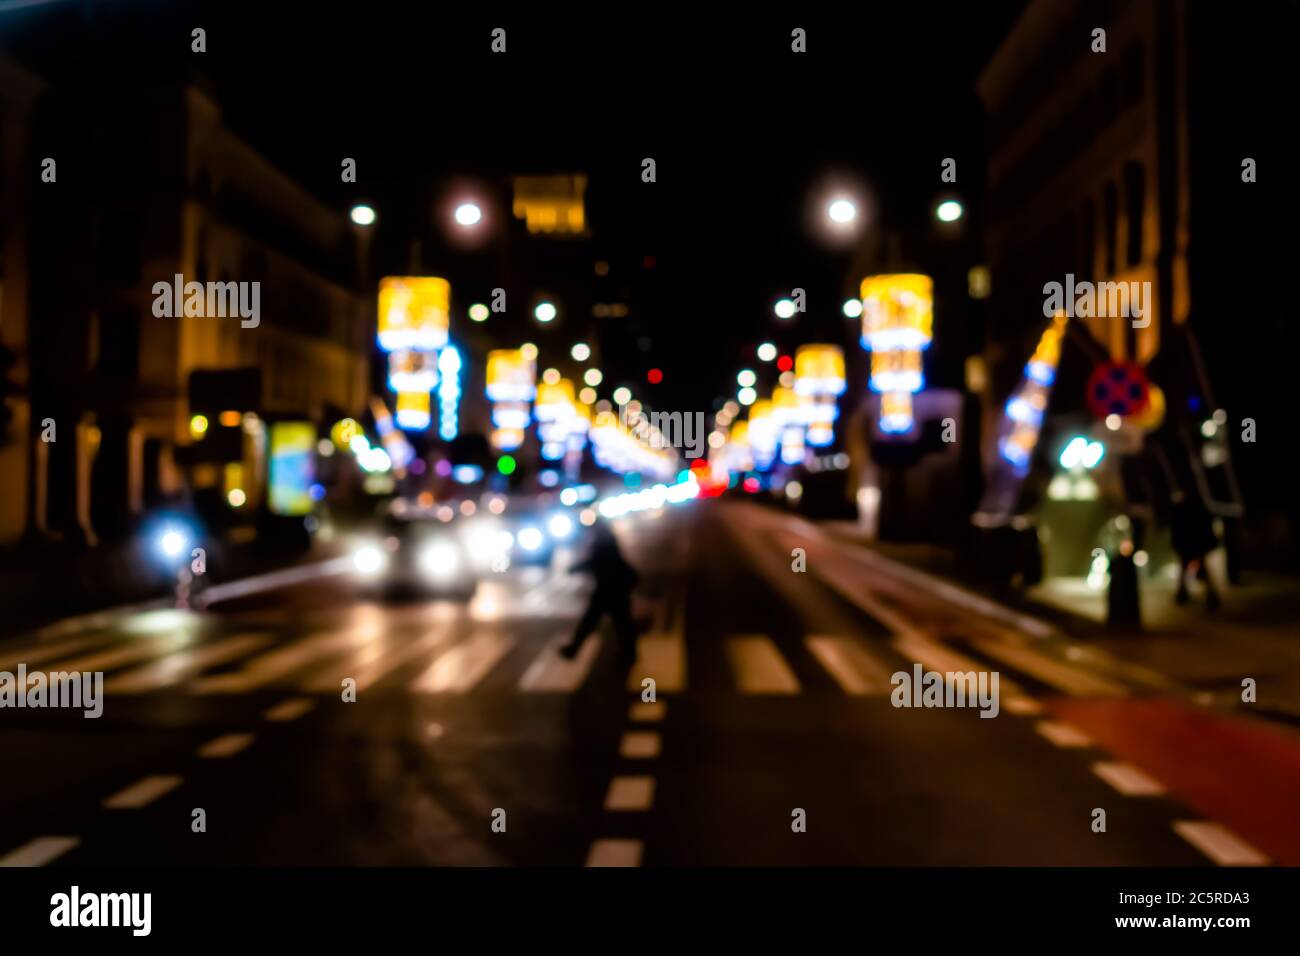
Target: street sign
(1118, 388)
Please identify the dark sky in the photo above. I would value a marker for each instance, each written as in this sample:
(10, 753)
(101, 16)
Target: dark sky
(744, 132)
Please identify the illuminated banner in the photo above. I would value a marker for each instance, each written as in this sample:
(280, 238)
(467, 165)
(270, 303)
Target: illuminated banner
(292, 469)
(413, 313)
(551, 204)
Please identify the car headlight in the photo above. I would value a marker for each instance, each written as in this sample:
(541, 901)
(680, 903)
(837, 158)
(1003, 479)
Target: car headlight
(530, 539)
(440, 559)
(487, 541)
(561, 526)
(369, 560)
(171, 543)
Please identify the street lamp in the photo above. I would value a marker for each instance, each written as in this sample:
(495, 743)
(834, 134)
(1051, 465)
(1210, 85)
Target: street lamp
(363, 215)
(766, 352)
(785, 309)
(842, 211)
(950, 210)
(544, 312)
(468, 214)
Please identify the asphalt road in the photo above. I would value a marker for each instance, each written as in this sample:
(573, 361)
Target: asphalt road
(772, 739)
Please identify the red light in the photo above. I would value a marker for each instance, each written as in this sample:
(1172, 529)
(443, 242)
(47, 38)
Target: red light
(654, 376)
(785, 363)
(751, 485)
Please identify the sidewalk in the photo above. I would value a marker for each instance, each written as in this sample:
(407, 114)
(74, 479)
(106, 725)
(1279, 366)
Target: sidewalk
(48, 583)
(1255, 633)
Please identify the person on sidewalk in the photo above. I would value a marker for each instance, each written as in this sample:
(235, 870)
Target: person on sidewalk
(615, 579)
(1193, 538)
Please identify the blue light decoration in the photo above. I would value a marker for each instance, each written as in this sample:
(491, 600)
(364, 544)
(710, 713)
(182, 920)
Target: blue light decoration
(449, 391)
(1028, 403)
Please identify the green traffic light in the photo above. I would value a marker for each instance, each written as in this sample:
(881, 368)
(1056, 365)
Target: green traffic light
(506, 465)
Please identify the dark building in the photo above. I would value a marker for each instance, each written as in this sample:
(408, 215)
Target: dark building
(151, 185)
(1129, 165)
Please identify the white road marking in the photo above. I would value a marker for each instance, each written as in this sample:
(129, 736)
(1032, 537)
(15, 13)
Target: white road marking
(615, 853)
(226, 746)
(1219, 843)
(278, 664)
(39, 851)
(1063, 735)
(374, 663)
(45, 652)
(464, 665)
(553, 674)
(183, 664)
(129, 653)
(1128, 780)
(759, 667)
(852, 666)
(1021, 706)
(647, 711)
(1070, 680)
(290, 709)
(640, 745)
(663, 658)
(142, 793)
(630, 793)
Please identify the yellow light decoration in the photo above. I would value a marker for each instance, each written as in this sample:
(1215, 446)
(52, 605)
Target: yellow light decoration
(551, 204)
(413, 410)
(819, 369)
(897, 311)
(414, 312)
(555, 400)
(511, 376)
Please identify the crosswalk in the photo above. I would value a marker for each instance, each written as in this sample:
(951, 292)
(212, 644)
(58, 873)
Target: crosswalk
(458, 657)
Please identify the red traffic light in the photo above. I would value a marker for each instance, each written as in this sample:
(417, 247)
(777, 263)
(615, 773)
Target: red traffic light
(654, 376)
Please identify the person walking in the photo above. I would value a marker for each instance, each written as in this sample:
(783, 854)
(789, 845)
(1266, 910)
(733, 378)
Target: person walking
(615, 579)
(1193, 538)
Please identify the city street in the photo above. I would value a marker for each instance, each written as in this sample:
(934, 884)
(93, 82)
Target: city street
(773, 696)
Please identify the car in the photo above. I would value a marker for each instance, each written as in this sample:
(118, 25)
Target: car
(414, 552)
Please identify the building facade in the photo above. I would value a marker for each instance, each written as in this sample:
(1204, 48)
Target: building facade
(152, 185)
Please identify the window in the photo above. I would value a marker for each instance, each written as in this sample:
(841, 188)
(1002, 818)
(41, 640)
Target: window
(1134, 205)
(1110, 213)
(1134, 84)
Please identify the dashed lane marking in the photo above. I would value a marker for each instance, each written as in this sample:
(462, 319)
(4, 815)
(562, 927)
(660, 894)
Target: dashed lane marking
(1128, 780)
(615, 853)
(226, 746)
(1063, 735)
(640, 745)
(142, 793)
(1219, 843)
(40, 851)
(290, 709)
(630, 793)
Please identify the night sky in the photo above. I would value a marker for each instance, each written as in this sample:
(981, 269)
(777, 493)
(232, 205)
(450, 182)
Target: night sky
(746, 136)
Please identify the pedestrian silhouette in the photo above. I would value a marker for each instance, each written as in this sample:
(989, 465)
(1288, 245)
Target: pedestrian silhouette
(615, 579)
(1193, 537)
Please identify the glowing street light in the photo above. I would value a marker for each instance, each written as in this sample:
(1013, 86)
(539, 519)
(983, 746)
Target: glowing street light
(746, 377)
(468, 214)
(580, 352)
(853, 308)
(363, 215)
(949, 210)
(478, 312)
(785, 309)
(544, 312)
(766, 352)
(842, 211)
